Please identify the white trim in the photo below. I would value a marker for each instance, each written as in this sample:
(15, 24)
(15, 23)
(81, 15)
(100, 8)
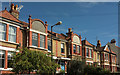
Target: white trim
(105, 47)
(76, 43)
(38, 32)
(9, 24)
(88, 47)
(9, 42)
(65, 58)
(49, 51)
(6, 69)
(54, 57)
(38, 47)
(8, 49)
(106, 64)
(90, 61)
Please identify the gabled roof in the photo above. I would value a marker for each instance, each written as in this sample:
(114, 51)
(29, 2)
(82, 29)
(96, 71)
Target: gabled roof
(85, 42)
(7, 15)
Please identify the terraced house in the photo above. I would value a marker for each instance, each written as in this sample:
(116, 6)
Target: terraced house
(35, 35)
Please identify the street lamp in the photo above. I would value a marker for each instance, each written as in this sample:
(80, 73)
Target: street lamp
(59, 23)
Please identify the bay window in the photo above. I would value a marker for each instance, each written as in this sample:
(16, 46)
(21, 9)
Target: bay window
(42, 41)
(12, 33)
(2, 31)
(34, 39)
(2, 59)
(62, 47)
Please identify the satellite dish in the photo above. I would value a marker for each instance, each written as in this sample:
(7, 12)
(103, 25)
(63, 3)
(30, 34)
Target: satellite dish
(19, 8)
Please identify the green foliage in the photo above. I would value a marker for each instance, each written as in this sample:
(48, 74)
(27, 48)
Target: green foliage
(32, 61)
(79, 68)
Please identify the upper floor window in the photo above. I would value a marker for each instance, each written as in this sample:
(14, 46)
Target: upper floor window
(90, 52)
(106, 57)
(87, 52)
(97, 56)
(2, 31)
(34, 39)
(113, 58)
(2, 59)
(49, 45)
(78, 49)
(42, 41)
(74, 48)
(12, 33)
(62, 47)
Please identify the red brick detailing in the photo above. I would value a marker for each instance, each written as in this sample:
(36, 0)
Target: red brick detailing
(92, 53)
(76, 49)
(17, 34)
(30, 38)
(85, 53)
(30, 22)
(81, 50)
(65, 66)
(103, 60)
(88, 52)
(6, 58)
(46, 45)
(7, 31)
(21, 37)
(71, 48)
(38, 40)
(108, 58)
(56, 47)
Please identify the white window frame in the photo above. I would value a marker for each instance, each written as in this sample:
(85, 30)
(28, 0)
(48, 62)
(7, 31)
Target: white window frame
(2, 52)
(35, 38)
(3, 32)
(12, 34)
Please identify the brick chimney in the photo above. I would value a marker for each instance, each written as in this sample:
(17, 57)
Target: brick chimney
(14, 11)
(98, 43)
(113, 41)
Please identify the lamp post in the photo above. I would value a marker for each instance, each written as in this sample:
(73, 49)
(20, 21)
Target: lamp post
(59, 23)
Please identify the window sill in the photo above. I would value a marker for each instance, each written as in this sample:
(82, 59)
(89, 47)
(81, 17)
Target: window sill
(89, 57)
(6, 69)
(49, 51)
(9, 42)
(63, 54)
(38, 47)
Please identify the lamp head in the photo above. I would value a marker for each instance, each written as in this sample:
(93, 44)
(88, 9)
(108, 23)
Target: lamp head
(59, 23)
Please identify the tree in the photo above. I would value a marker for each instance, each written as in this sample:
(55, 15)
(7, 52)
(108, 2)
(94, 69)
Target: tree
(32, 61)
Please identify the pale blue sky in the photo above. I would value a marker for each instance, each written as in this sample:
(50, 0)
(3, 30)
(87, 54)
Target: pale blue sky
(90, 20)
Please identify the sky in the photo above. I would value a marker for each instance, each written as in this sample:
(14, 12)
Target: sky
(92, 20)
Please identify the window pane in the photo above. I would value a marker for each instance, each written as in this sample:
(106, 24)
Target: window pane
(49, 45)
(9, 59)
(62, 47)
(34, 39)
(12, 33)
(2, 59)
(78, 49)
(2, 31)
(87, 53)
(90, 53)
(74, 48)
(42, 41)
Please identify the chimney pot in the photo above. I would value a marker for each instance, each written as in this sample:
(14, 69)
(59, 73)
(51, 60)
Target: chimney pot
(70, 30)
(16, 7)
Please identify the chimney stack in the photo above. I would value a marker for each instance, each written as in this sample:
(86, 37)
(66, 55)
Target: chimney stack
(69, 30)
(113, 41)
(98, 43)
(14, 11)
